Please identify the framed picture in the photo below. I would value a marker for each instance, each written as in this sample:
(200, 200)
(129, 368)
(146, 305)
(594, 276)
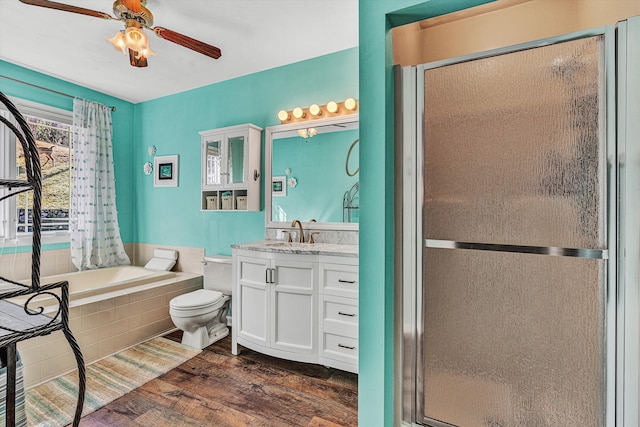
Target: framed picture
(166, 171)
(279, 186)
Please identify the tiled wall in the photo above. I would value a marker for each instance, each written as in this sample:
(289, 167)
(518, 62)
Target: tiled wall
(17, 266)
(189, 259)
(103, 328)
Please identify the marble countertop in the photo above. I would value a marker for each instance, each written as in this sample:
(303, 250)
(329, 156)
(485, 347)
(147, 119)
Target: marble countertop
(281, 246)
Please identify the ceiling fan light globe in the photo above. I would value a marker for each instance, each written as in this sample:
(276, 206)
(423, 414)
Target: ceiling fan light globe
(146, 53)
(118, 42)
(135, 39)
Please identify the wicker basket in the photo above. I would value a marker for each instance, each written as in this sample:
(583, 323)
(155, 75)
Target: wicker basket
(227, 202)
(241, 202)
(212, 203)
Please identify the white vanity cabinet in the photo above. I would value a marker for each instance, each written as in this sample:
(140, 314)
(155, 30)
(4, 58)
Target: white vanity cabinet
(275, 304)
(338, 325)
(231, 168)
(297, 306)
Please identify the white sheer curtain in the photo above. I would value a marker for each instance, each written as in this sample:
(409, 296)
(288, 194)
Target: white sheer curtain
(95, 235)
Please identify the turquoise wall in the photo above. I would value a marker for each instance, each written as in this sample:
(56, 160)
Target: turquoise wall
(376, 18)
(172, 216)
(123, 130)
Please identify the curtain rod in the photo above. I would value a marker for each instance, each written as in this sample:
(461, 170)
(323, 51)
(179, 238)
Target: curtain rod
(47, 89)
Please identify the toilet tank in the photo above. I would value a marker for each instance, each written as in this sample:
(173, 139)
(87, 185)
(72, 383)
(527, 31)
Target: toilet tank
(217, 273)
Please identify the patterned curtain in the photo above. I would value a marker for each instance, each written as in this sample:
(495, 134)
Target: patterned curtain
(95, 235)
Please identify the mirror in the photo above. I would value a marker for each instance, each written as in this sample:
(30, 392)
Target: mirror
(313, 177)
(219, 170)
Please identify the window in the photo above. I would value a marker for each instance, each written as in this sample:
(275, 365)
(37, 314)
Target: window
(51, 128)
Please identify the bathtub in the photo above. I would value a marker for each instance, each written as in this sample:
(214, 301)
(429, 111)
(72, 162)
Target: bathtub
(98, 282)
(110, 309)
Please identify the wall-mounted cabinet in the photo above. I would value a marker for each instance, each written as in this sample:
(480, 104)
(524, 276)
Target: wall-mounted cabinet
(231, 168)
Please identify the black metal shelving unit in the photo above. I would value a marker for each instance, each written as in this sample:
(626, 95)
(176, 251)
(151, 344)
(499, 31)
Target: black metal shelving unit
(22, 320)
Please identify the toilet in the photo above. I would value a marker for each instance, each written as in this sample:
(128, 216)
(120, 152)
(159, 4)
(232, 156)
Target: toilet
(201, 314)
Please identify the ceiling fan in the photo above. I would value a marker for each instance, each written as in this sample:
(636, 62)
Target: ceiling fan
(136, 17)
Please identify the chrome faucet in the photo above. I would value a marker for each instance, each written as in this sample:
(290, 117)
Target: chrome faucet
(301, 237)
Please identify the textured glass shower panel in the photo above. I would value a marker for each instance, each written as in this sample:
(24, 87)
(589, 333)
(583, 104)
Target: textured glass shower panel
(513, 340)
(514, 148)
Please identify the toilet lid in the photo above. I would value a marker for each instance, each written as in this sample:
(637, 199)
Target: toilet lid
(196, 299)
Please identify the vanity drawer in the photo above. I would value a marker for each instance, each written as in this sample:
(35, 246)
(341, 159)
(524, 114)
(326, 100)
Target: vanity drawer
(340, 348)
(340, 316)
(340, 280)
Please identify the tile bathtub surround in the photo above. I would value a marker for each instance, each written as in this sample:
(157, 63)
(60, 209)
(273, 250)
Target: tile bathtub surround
(104, 327)
(189, 259)
(17, 266)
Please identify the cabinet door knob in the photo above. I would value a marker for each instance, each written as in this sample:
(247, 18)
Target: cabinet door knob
(346, 314)
(346, 281)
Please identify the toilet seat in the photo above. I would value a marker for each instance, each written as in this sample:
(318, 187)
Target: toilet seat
(202, 298)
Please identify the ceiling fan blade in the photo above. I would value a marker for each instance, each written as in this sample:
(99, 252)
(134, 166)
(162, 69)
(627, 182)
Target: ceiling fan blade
(68, 8)
(188, 42)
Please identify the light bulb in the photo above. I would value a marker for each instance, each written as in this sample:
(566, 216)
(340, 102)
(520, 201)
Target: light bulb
(350, 104)
(315, 110)
(332, 107)
(298, 113)
(283, 116)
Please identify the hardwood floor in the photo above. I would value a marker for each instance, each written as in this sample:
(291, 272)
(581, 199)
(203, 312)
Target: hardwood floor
(218, 389)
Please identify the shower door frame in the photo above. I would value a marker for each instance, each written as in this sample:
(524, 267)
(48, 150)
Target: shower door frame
(410, 144)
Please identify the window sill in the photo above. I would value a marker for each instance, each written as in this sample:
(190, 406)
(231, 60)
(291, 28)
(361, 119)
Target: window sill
(49, 238)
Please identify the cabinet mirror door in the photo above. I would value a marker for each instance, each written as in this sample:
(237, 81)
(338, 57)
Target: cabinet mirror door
(214, 162)
(235, 161)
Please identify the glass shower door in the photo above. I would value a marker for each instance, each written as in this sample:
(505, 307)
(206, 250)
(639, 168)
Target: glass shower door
(514, 220)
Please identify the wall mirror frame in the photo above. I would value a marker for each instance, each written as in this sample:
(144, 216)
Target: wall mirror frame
(272, 134)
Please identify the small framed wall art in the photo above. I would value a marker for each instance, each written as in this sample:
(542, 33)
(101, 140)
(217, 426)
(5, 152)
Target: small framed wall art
(166, 171)
(279, 186)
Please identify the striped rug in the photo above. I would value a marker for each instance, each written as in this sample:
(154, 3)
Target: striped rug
(53, 403)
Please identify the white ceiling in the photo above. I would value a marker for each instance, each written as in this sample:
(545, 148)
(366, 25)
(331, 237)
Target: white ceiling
(253, 35)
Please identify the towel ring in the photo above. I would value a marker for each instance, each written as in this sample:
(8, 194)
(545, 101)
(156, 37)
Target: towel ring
(349, 155)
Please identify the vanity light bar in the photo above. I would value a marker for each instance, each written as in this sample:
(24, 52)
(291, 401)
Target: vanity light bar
(315, 111)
